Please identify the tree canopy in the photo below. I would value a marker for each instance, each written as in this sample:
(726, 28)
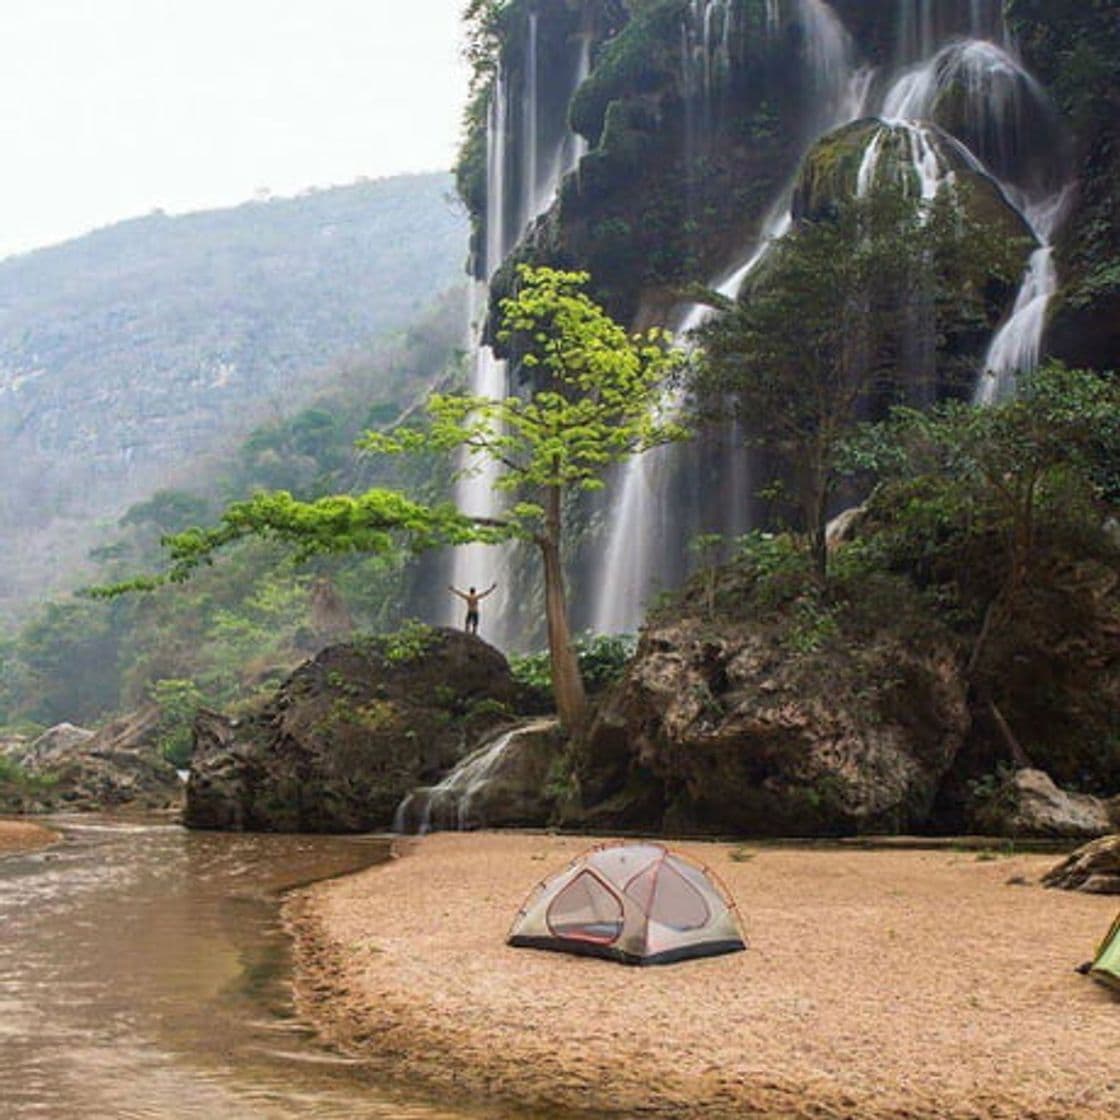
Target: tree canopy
(813, 345)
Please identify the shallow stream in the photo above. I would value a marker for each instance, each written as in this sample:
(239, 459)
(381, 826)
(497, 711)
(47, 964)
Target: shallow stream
(143, 976)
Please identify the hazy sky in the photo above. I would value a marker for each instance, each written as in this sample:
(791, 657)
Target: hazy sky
(112, 108)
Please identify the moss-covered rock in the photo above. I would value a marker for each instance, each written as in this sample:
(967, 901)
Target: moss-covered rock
(900, 154)
(797, 721)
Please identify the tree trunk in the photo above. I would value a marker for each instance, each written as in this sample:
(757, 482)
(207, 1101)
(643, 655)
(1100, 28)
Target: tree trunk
(815, 506)
(567, 683)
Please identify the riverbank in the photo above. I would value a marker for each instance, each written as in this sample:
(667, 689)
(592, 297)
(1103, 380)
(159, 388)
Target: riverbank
(879, 984)
(23, 836)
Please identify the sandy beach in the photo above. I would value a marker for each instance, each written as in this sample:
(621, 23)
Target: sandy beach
(878, 984)
(22, 836)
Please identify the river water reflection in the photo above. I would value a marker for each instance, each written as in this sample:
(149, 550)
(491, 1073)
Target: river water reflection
(143, 975)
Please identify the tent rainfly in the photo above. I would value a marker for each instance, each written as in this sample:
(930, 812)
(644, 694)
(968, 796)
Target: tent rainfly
(1106, 964)
(634, 903)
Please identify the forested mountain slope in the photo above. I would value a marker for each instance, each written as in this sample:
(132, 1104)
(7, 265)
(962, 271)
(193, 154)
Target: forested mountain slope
(128, 355)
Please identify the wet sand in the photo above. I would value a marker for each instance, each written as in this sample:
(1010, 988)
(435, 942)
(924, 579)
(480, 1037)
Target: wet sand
(879, 985)
(23, 836)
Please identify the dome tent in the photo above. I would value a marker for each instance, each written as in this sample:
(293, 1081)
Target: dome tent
(1106, 964)
(634, 903)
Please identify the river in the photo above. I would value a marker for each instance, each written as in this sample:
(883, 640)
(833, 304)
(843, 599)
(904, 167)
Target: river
(143, 976)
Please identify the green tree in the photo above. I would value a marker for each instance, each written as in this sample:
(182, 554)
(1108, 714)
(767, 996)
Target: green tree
(812, 346)
(1004, 468)
(596, 399)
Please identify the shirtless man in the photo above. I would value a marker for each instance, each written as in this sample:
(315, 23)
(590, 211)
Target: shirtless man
(471, 598)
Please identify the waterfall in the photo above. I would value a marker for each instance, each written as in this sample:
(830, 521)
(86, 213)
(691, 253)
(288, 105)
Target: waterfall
(641, 519)
(1017, 345)
(998, 110)
(705, 64)
(828, 54)
(924, 24)
(923, 158)
(645, 530)
(516, 195)
(453, 802)
(474, 565)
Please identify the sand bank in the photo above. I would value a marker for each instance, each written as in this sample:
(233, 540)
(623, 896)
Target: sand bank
(22, 836)
(878, 984)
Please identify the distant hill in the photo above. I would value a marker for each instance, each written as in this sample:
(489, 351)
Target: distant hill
(145, 346)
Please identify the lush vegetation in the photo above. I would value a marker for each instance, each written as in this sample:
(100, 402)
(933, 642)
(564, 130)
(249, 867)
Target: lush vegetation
(236, 627)
(990, 532)
(595, 400)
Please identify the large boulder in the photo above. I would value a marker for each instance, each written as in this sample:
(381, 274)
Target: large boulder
(348, 735)
(723, 729)
(1094, 868)
(1029, 804)
(119, 766)
(54, 745)
(842, 164)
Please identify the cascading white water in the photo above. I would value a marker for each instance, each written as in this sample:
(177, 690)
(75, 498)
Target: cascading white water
(642, 525)
(1017, 345)
(535, 180)
(641, 518)
(474, 565)
(998, 110)
(840, 85)
(998, 106)
(923, 158)
(452, 803)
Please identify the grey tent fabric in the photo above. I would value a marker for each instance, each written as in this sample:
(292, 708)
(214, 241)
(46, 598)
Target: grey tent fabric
(633, 903)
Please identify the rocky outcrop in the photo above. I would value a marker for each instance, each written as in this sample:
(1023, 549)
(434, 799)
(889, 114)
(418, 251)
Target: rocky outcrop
(54, 744)
(725, 729)
(1029, 804)
(120, 766)
(1094, 868)
(348, 735)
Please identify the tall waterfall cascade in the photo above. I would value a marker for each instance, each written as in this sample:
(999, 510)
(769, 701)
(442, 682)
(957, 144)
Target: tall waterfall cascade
(951, 94)
(641, 522)
(1001, 103)
(521, 183)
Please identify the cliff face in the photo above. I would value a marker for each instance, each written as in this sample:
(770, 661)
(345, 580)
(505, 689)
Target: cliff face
(1074, 49)
(697, 114)
(127, 355)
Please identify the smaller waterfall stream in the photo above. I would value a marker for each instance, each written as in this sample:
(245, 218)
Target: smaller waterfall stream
(1017, 345)
(641, 517)
(643, 521)
(1002, 110)
(453, 803)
